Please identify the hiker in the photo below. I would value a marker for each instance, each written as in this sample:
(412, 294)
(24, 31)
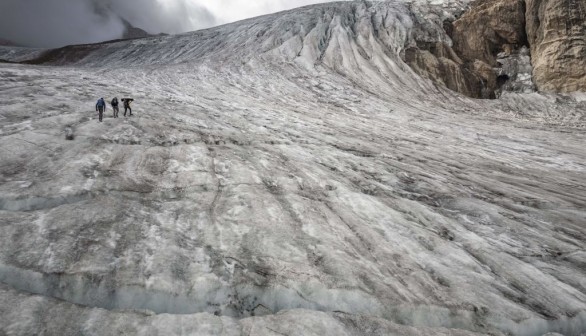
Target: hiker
(115, 109)
(101, 107)
(127, 102)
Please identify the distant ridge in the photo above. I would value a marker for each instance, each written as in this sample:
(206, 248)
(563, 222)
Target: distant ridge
(132, 32)
(7, 43)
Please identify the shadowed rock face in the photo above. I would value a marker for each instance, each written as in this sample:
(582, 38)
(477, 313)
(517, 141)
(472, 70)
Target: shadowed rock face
(489, 28)
(465, 63)
(438, 62)
(557, 34)
(493, 34)
(133, 32)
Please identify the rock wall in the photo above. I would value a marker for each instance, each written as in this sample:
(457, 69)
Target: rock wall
(556, 30)
(489, 28)
(430, 54)
(468, 63)
(490, 43)
(441, 64)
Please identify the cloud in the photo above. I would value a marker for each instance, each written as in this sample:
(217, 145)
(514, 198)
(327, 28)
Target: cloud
(168, 16)
(53, 23)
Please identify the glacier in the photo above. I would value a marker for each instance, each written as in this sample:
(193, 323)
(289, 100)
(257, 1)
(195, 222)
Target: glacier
(285, 175)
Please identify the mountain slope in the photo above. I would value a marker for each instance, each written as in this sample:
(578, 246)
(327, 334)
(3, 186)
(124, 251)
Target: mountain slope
(285, 174)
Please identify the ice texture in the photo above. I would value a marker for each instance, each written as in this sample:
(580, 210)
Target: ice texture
(286, 174)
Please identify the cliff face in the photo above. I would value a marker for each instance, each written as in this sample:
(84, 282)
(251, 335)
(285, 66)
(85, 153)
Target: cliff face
(488, 48)
(438, 62)
(556, 30)
(491, 27)
(469, 62)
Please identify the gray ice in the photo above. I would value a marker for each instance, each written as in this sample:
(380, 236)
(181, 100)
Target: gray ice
(286, 175)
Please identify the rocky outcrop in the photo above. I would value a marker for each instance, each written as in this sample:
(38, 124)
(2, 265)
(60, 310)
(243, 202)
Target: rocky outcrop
(132, 32)
(556, 30)
(468, 63)
(510, 45)
(493, 26)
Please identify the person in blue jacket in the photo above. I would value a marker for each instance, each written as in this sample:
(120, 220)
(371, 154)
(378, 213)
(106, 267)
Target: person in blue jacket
(101, 107)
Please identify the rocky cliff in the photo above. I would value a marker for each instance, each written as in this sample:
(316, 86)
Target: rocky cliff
(488, 48)
(557, 34)
(464, 55)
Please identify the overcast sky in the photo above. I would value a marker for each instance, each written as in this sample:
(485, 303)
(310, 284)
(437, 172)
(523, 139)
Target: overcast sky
(54, 23)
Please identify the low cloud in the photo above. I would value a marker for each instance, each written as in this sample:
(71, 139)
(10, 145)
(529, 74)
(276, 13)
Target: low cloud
(54, 23)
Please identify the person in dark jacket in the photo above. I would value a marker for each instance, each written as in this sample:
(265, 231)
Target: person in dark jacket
(127, 102)
(100, 108)
(115, 109)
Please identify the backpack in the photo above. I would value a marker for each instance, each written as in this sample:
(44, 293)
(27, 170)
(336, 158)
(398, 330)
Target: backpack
(115, 102)
(101, 103)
